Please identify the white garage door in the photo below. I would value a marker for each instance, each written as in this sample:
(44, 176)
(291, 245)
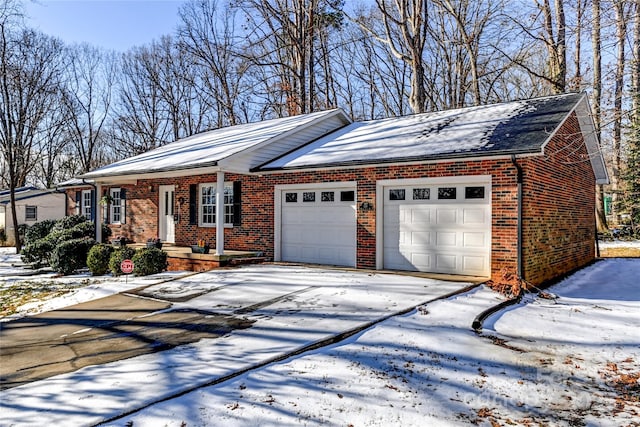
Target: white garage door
(440, 228)
(318, 225)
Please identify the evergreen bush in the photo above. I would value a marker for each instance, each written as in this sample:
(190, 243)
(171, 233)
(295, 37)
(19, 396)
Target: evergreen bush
(117, 256)
(71, 255)
(98, 259)
(149, 261)
(38, 231)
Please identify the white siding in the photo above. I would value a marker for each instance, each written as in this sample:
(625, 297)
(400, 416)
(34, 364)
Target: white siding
(252, 158)
(49, 206)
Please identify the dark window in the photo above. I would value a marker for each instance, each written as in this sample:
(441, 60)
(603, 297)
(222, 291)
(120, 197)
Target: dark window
(309, 196)
(31, 213)
(347, 196)
(447, 193)
(327, 196)
(474, 192)
(421, 194)
(396, 194)
(291, 197)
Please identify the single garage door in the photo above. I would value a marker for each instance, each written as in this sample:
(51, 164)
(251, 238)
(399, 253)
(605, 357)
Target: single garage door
(318, 225)
(440, 228)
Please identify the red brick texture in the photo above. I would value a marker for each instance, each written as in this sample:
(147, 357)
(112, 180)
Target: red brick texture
(558, 206)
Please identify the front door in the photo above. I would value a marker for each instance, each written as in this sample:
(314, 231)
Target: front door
(166, 224)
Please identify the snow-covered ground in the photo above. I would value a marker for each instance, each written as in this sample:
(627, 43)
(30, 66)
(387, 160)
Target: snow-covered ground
(569, 361)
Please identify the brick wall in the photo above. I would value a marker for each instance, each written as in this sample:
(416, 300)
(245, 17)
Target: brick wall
(559, 194)
(559, 207)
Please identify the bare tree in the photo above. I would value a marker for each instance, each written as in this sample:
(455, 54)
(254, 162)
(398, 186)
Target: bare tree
(140, 123)
(405, 34)
(87, 99)
(621, 16)
(30, 64)
(596, 46)
(208, 35)
(286, 37)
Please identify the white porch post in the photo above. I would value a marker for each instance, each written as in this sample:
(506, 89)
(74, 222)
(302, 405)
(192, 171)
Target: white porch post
(98, 213)
(220, 213)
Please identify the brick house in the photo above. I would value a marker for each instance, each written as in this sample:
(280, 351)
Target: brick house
(471, 191)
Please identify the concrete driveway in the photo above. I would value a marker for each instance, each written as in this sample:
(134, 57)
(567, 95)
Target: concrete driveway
(190, 332)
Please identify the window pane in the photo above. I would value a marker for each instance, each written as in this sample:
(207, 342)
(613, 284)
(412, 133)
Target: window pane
(347, 196)
(208, 205)
(31, 213)
(115, 205)
(421, 194)
(309, 196)
(396, 194)
(447, 193)
(291, 197)
(474, 192)
(327, 196)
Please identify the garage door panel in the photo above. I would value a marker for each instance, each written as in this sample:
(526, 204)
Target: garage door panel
(421, 238)
(420, 216)
(474, 240)
(446, 238)
(446, 216)
(446, 262)
(474, 216)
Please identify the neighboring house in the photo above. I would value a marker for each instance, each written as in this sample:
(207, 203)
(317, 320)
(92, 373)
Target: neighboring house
(471, 191)
(32, 205)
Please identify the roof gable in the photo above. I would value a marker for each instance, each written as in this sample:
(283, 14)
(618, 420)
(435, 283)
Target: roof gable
(210, 148)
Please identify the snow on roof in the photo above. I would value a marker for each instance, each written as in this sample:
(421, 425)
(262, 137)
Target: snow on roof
(208, 148)
(519, 126)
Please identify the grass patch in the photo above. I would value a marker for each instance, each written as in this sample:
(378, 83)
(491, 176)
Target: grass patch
(15, 295)
(621, 252)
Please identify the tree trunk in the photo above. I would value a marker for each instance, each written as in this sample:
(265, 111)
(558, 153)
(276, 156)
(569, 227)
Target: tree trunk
(596, 42)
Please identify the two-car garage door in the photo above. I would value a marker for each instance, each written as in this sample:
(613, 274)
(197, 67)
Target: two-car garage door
(431, 225)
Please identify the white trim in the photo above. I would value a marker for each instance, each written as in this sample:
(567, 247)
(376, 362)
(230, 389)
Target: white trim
(382, 184)
(220, 213)
(112, 206)
(277, 212)
(227, 184)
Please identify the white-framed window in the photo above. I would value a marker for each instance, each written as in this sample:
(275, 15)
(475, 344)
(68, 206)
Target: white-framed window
(31, 213)
(208, 204)
(115, 208)
(85, 204)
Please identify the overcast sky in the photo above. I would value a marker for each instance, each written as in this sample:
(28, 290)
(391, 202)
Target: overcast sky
(112, 24)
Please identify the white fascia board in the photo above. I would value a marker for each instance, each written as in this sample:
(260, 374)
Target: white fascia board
(400, 163)
(587, 128)
(230, 163)
(330, 114)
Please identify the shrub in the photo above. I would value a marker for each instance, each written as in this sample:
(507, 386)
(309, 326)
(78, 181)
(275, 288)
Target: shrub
(71, 255)
(117, 257)
(98, 259)
(38, 252)
(3, 236)
(149, 261)
(69, 222)
(38, 231)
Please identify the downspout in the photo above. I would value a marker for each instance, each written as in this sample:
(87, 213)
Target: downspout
(519, 269)
(480, 318)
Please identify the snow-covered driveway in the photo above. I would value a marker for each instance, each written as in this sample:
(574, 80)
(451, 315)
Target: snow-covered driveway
(292, 307)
